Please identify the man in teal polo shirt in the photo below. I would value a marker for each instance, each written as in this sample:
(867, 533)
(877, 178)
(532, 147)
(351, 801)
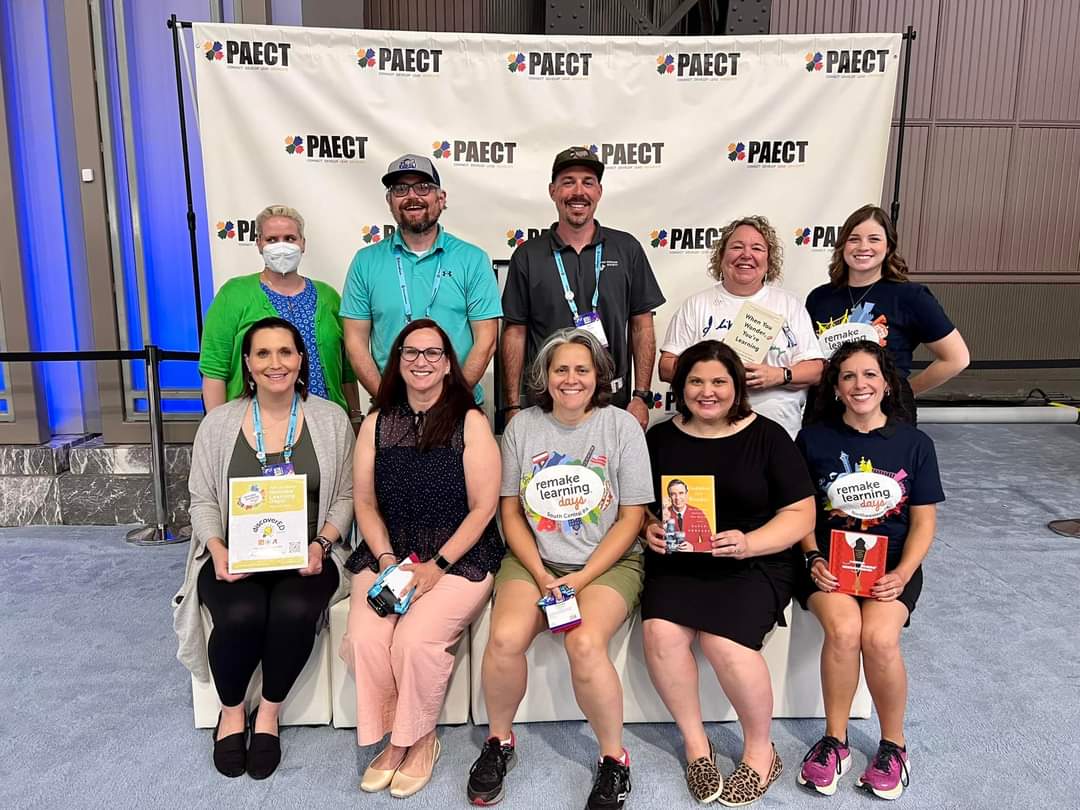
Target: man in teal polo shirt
(422, 271)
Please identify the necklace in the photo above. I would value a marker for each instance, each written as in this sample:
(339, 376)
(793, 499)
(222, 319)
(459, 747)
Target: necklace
(862, 297)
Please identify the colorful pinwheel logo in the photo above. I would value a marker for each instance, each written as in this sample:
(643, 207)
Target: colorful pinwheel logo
(294, 144)
(371, 234)
(441, 149)
(665, 63)
(813, 62)
(226, 229)
(802, 236)
(515, 62)
(658, 401)
(515, 237)
(658, 238)
(736, 151)
(213, 50)
(365, 57)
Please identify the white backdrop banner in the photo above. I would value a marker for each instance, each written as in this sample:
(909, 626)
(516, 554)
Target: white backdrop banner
(694, 132)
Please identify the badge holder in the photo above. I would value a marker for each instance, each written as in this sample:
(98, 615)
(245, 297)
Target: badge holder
(592, 324)
(391, 591)
(562, 614)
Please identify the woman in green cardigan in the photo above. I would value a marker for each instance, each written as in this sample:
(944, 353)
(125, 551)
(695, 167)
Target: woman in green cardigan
(278, 291)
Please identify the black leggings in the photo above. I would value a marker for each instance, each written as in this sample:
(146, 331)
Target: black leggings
(267, 617)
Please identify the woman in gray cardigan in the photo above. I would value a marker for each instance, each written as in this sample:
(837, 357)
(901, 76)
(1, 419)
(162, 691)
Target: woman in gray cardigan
(270, 617)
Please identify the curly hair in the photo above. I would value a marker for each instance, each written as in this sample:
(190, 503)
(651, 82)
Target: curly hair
(894, 268)
(603, 364)
(827, 407)
(768, 233)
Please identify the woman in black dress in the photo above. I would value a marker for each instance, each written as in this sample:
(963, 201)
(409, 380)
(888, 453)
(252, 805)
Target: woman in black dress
(728, 598)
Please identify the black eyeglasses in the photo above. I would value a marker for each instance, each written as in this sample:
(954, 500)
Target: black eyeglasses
(421, 189)
(432, 354)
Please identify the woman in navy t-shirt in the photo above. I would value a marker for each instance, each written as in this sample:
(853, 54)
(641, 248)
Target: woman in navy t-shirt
(877, 482)
(869, 297)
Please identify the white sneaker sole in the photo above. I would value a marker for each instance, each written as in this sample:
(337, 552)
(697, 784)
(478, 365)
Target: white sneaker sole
(829, 789)
(895, 793)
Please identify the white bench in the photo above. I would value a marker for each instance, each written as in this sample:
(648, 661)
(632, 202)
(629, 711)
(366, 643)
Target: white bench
(792, 653)
(308, 703)
(343, 685)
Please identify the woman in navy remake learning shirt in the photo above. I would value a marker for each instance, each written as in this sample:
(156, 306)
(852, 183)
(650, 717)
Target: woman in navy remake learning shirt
(854, 445)
(869, 297)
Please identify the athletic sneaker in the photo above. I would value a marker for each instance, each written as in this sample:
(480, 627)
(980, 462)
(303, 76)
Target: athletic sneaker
(488, 772)
(824, 764)
(888, 772)
(611, 787)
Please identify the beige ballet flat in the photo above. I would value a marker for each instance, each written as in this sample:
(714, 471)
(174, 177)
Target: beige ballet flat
(403, 786)
(376, 779)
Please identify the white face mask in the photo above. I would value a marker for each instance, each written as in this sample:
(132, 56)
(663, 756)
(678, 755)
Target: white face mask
(282, 257)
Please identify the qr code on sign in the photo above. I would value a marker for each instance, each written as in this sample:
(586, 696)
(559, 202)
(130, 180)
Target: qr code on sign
(294, 547)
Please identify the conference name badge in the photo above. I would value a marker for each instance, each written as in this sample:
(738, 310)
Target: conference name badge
(562, 614)
(592, 324)
(864, 495)
(268, 523)
(836, 336)
(564, 492)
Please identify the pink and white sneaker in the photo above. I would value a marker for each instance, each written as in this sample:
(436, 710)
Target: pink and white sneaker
(826, 761)
(888, 772)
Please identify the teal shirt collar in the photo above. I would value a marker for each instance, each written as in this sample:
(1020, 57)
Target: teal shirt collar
(397, 243)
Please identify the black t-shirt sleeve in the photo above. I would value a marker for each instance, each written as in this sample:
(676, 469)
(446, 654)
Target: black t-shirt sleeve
(926, 487)
(789, 478)
(645, 293)
(515, 298)
(927, 316)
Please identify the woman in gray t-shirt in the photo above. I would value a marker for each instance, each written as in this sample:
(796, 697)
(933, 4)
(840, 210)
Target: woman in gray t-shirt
(575, 482)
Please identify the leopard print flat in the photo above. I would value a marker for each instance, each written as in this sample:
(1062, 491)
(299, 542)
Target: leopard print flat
(703, 778)
(744, 786)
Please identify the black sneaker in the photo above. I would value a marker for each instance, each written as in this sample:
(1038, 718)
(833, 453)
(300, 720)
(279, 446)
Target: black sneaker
(487, 773)
(611, 787)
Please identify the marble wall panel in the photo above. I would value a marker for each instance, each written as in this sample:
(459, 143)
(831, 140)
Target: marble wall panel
(29, 500)
(127, 459)
(108, 500)
(51, 458)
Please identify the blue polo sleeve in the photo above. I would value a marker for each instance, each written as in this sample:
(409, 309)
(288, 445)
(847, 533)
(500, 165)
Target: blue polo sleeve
(356, 297)
(482, 290)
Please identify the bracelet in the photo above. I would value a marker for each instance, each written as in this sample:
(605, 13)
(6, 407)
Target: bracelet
(380, 556)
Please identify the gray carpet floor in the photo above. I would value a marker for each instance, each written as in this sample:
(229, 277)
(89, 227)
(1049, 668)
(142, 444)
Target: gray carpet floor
(96, 712)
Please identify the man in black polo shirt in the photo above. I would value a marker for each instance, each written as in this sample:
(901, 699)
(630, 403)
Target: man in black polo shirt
(580, 273)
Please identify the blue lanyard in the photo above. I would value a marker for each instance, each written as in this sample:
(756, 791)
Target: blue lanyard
(256, 420)
(405, 288)
(567, 292)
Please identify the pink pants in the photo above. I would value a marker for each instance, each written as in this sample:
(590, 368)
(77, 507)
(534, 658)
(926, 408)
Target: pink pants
(402, 664)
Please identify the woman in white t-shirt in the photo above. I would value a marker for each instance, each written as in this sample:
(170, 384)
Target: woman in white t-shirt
(746, 263)
(575, 483)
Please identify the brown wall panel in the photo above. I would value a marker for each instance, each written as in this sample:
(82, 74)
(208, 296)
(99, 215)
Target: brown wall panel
(423, 15)
(977, 61)
(875, 16)
(1050, 70)
(1042, 209)
(811, 16)
(911, 189)
(963, 210)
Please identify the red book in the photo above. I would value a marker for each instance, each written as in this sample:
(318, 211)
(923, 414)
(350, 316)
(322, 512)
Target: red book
(857, 560)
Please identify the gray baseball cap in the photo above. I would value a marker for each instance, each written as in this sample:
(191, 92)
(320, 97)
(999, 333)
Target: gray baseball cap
(410, 164)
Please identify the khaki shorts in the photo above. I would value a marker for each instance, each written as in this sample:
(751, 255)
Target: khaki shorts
(625, 577)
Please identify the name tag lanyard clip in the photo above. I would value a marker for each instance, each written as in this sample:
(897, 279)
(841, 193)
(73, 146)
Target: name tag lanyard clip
(256, 422)
(568, 293)
(405, 288)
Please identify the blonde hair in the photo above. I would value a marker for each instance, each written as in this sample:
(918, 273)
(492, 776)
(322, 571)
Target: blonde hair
(279, 211)
(762, 226)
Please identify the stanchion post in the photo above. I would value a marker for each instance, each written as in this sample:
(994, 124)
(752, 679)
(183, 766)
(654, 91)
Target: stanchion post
(894, 213)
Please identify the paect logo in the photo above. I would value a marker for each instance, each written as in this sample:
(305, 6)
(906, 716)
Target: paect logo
(684, 239)
(634, 154)
(849, 62)
(373, 234)
(336, 148)
(405, 61)
(516, 237)
(774, 153)
(241, 231)
(550, 64)
(699, 65)
(250, 54)
(475, 153)
(818, 237)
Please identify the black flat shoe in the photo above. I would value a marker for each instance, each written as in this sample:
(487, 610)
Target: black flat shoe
(264, 753)
(230, 753)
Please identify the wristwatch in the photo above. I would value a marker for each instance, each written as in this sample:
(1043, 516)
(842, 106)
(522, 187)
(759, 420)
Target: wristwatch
(811, 556)
(326, 544)
(645, 395)
(442, 562)
(787, 376)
